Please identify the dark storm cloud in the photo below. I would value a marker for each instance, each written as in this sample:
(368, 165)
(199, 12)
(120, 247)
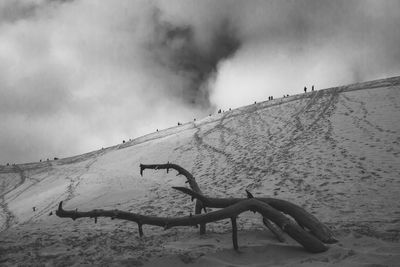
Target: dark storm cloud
(175, 48)
(78, 75)
(14, 10)
(289, 44)
(11, 11)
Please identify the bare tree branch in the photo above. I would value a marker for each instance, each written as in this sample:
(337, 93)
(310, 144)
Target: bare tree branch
(308, 241)
(181, 171)
(274, 229)
(190, 179)
(234, 233)
(302, 217)
(270, 225)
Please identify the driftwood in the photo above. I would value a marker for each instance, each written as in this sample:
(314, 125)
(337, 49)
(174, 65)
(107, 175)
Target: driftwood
(302, 217)
(189, 179)
(270, 225)
(308, 241)
(274, 229)
(305, 229)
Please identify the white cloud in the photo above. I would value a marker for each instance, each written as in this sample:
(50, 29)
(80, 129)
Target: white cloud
(79, 75)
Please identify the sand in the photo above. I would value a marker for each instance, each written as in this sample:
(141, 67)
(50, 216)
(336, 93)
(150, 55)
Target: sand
(335, 152)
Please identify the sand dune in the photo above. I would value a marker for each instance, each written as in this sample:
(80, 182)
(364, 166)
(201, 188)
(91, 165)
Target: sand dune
(336, 152)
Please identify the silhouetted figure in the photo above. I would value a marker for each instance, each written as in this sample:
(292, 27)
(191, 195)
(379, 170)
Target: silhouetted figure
(229, 109)
(255, 102)
(272, 98)
(219, 111)
(305, 89)
(34, 208)
(123, 141)
(179, 123)
(157, 130)
(312, 88)
(40, 160)
(55, 158)
(287, 95)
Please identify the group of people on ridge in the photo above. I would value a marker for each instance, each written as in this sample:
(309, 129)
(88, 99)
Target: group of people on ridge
(305, 89)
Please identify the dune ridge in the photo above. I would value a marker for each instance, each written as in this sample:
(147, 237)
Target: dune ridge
(335, 152)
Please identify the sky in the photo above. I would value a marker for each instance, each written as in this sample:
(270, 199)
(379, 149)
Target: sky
(78, 75)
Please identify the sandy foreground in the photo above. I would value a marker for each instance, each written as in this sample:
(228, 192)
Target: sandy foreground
(335, 152)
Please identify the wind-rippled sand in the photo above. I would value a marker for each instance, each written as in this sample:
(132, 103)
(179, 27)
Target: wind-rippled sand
(336, 152)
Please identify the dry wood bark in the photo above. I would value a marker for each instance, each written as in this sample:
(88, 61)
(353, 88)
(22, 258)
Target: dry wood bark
(270, 208)
(270, 225)
(190, 180)
(308, 241)
(302, 217)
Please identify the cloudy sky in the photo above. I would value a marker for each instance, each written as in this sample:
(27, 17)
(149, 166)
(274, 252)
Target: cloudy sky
(78, 75)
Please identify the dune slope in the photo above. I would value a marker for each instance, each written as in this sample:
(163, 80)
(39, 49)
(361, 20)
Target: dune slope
(336, 152)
